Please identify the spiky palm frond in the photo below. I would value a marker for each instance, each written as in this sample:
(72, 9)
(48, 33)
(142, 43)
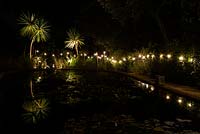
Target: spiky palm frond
(73, 39)
(41, 30)
(36, 110)
(28, 21)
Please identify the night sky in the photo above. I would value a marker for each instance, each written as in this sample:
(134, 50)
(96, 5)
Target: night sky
(60, 15)
(95, 23)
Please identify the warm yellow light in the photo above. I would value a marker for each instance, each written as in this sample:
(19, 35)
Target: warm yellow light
(189, 104)
(148, 55)
(53, 55)
(124, 59)
(147, 85)
(167, 97)
(104, 52)
(85, 54)
(181, 58)
(180, 100)
(37, 51)
(152, 56)
(133, 58)
(67, 53)
(161, 56)
(143, 57)
(114, 61)
(45, 54)
(139, 55)
(102, 55)
(190, 60)
(120, 61)
(61, 54)
(152, 88)
(169, 56)
(95, 54)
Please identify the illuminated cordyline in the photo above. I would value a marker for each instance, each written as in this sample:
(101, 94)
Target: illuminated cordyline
(169, 56)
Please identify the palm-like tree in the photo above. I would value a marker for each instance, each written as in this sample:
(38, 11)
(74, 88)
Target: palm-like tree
(35, 28)
(74, 40)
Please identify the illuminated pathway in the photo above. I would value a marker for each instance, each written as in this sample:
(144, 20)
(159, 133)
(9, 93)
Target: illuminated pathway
(179, 89)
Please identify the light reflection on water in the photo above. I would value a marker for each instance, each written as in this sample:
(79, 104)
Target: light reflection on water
(185, 102)
(88, 102)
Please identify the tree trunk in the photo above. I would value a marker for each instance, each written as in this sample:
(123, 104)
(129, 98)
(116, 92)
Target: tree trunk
(76, 48)
(32, 95)
(31, 47)
(31, 89)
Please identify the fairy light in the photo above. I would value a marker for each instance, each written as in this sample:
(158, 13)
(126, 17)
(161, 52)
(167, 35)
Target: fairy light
(180, 100)
(181, 58)
(161, 56)
(167, 97)
(169, 56)
(189, 104)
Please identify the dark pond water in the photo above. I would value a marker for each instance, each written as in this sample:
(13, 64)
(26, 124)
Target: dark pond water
(80, 102)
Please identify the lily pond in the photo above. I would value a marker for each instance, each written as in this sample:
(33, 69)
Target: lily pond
(89, 102)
